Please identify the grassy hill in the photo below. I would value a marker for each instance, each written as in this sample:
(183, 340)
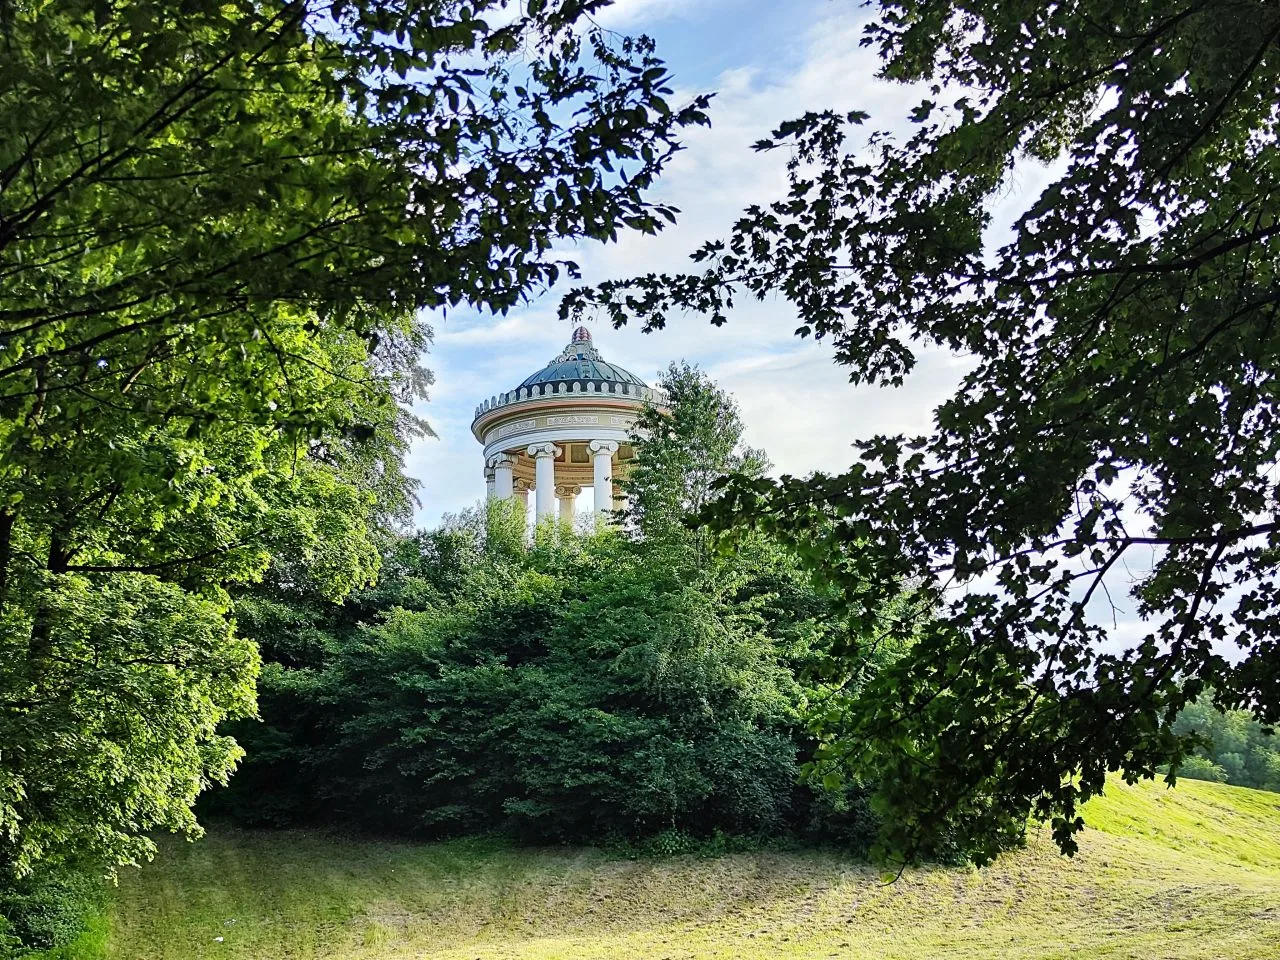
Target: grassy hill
(1191, 873)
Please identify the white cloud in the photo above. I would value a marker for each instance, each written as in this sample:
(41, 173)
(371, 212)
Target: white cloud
(638, 13)
(800, 407)
(796, 403)
(514, 326)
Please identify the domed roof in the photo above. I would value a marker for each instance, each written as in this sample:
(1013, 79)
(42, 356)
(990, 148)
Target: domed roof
(581, 361)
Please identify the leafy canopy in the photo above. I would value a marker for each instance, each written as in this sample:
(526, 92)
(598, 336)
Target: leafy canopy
(625, 684)
(682, 451)
(1120, 413)
(219, 222)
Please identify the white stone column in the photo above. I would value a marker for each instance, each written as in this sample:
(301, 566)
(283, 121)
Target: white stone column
(544, 478)
(602, 452)
(522, 494)
(567, 494)
(488, 482)
(502, 464)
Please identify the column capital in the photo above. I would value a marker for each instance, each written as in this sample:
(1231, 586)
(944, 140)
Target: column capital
(603, 446)
(522, 484)
(567, 490)
(540, 450)
(503, 464)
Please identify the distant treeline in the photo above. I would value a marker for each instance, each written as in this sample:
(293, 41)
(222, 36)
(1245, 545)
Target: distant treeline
(1236, 749)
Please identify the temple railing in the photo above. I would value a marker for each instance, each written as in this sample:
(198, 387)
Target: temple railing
(574, 388)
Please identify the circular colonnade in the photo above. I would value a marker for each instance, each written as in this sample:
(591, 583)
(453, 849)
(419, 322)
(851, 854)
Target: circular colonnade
(564, 428)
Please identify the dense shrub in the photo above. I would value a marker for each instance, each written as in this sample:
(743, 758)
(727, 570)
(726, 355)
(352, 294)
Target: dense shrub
(581, 688)
(624, 685)
(48, 908)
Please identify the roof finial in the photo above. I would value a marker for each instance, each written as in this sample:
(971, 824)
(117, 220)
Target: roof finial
(581, 335)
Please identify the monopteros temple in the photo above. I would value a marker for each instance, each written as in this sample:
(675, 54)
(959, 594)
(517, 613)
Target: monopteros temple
(566, 427)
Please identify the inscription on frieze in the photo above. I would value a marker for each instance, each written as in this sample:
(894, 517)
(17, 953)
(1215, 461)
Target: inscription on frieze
(571, 420)
(510, 428)
(559, 420)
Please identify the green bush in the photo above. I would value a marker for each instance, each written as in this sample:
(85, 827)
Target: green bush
(841, 816)
(10, 943)
(635, 686)
(49, 908)
(1202, 768)
(571, 697)
(578, 689)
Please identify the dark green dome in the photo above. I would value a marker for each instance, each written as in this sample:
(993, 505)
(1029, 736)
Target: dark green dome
(581, 361)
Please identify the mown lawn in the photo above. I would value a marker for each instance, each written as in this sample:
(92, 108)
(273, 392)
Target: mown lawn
(1192, 873)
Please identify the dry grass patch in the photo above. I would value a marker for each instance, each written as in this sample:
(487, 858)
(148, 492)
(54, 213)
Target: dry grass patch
(1188, 875)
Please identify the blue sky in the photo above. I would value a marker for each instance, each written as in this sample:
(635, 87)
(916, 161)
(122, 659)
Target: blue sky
(767, 61)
